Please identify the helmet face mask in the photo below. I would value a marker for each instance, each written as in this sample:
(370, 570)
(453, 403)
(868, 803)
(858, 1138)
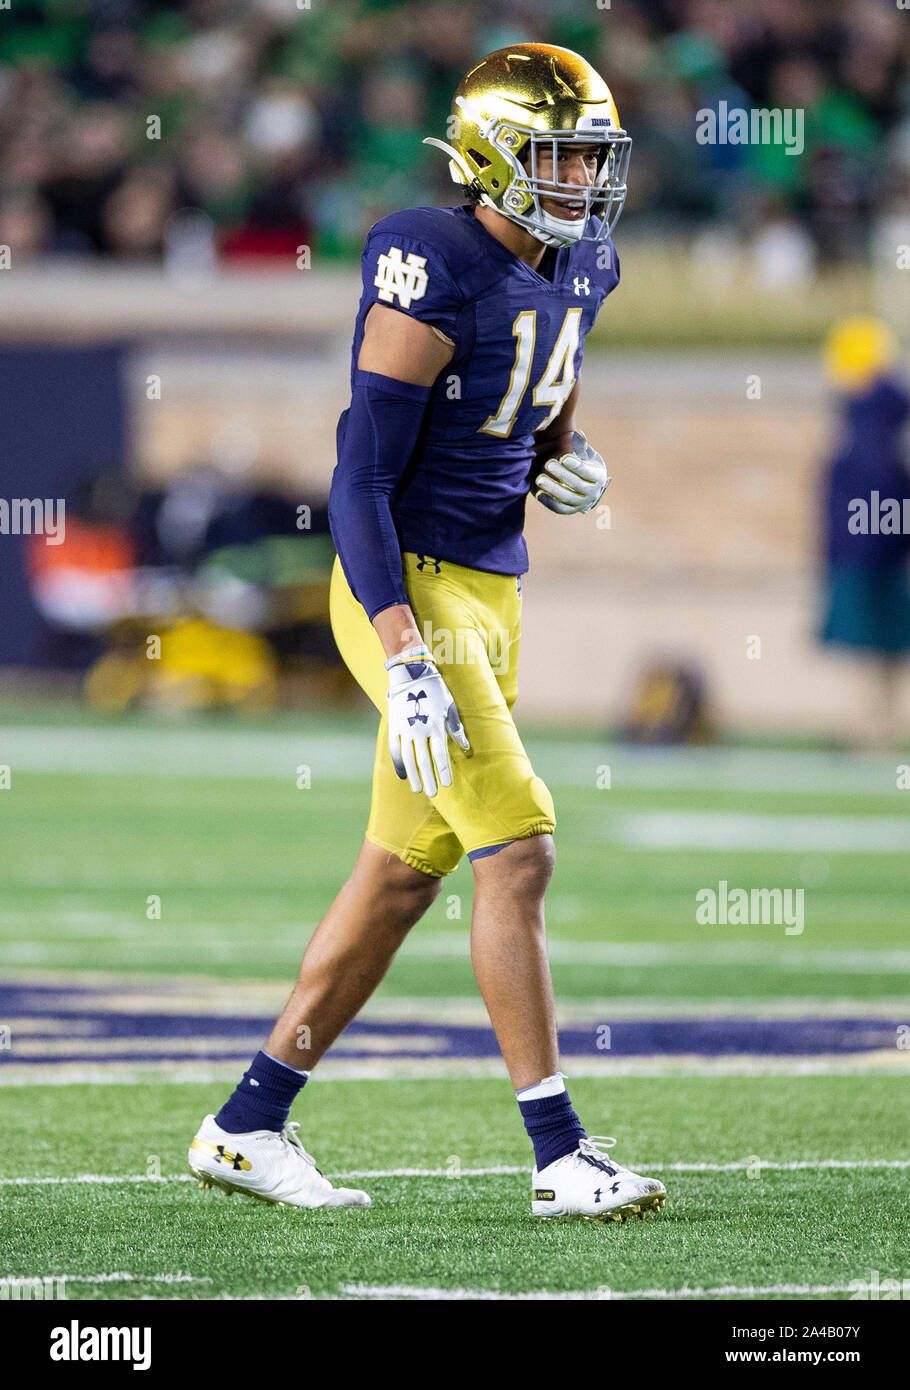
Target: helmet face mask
(524, 198)
(529, 100)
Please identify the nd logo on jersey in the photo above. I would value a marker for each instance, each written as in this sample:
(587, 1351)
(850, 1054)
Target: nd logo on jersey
(397, 278)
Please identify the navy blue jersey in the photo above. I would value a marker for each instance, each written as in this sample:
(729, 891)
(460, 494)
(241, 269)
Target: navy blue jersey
(519, 339)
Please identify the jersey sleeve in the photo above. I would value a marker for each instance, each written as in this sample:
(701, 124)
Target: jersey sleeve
(407, 273)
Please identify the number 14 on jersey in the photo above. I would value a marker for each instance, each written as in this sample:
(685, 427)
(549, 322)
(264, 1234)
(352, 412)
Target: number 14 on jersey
(555, 385)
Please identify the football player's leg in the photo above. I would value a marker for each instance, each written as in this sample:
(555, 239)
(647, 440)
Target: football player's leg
(573, 1174)
(501, 813)
(249, 1145)
(504, 817)
(349, 953)
(509, 955)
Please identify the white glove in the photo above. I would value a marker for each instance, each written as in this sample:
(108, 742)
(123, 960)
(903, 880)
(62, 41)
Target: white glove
(422, 718)
(573, 482)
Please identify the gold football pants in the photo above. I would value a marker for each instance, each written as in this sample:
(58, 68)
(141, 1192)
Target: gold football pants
(471, 622)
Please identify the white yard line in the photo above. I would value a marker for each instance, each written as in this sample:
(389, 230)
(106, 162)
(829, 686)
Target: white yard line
(334, 756)
(740, 1166)
(492, 1171)
(710, 830)
(578, 1012)
(774, 949)
(602, 1067)
(93, 1180)
(426, 1293)
(418, 1292)
(26, 1281)
(780, 952)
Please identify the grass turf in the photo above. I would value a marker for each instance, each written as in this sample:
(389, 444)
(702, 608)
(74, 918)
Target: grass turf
(244, 866)
(470, 1232)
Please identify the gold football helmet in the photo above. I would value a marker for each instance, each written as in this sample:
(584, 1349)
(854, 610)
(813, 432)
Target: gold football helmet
(524, 99)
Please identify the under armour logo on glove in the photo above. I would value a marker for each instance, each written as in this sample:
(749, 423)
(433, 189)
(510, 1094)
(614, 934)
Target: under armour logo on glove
(422, 718)
(427, 560)
(417, 717)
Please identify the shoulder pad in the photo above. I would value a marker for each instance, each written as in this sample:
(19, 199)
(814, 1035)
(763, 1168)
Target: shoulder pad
(430, 262)
(450, 234)
(406, 268)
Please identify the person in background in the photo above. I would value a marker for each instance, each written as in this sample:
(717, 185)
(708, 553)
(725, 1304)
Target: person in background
(867, 513)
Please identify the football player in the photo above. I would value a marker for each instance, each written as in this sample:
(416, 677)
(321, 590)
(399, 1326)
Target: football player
(464, 385)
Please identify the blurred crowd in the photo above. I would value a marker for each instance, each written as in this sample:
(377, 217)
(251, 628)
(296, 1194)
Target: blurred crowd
(231, 577)
(228, 129)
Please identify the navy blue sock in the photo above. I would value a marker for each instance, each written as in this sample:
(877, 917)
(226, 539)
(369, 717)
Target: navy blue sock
(553, 1127)
(263, 1098)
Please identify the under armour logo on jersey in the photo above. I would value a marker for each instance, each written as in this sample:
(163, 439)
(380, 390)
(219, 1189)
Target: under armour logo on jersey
(582, 286)
(417, 717)
(425, 561)
(404, 280)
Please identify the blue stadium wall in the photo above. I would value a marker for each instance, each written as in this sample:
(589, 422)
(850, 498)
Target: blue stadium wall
(63, 420)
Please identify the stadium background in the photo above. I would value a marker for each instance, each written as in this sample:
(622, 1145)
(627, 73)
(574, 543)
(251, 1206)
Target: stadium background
(184, 190)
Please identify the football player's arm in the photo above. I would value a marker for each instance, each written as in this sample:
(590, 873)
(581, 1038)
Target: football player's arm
(403, 349)
(400, 357)
(568, 475)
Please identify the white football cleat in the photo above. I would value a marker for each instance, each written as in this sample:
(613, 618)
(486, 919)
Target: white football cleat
(269, 1164)
(589, 1183)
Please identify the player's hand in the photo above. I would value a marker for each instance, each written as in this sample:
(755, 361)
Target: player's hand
(573, 482)
(422, 719)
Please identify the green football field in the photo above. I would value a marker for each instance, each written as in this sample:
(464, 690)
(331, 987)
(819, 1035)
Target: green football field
(160, 883)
